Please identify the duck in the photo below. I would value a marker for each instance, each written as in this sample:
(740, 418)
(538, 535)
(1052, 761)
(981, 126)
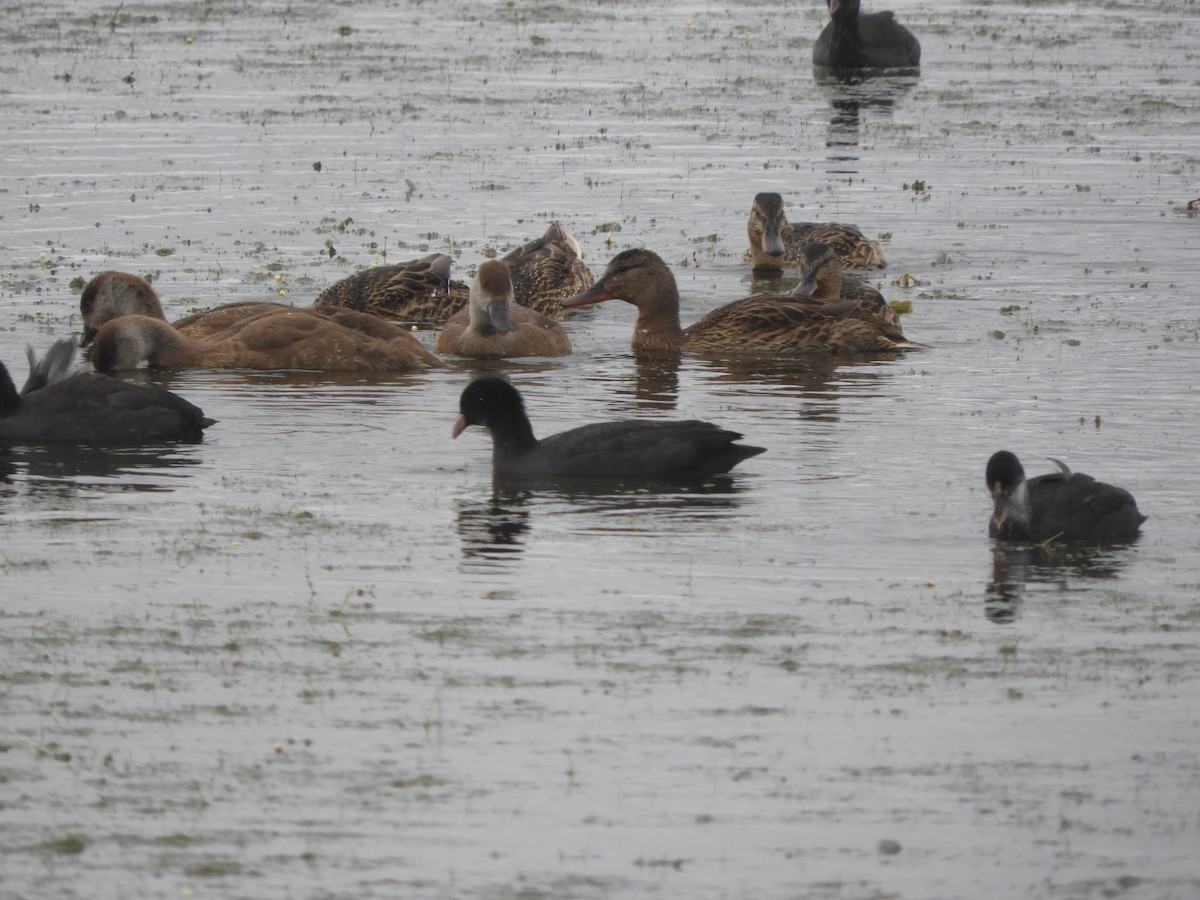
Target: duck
(419, 290)
(631, 449)
(776, 243)
(292, 339)
(112, 294)
(766, 324)
(493, 327)
(544, 271)
(1063, 505)
(60, 404)
(824, 280)
(852, 39)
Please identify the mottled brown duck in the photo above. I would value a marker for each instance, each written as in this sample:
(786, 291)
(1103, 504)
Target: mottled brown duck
(776, 243)
(775, 325)
(824, 280)
(544, 272)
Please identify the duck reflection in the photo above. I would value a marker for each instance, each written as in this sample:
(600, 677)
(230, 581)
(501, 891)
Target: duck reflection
(495, 533)
(818, 381)
(853, 93)
(655, 380)
(65, 470)
(1021, 568)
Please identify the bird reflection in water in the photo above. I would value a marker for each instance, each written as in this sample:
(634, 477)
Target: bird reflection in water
(819, 382)
(1018, 569)
(853, 93)
(495, 533)
(68, 469)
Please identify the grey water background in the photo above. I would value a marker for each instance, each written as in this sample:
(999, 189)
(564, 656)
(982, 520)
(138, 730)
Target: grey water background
(316, 655)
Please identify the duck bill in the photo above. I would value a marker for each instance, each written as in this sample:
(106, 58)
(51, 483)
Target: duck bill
(772, 243)
(89, 333)
(807, 286)
(597, 293)
(498, 313)
(460, 425)
(999, 506)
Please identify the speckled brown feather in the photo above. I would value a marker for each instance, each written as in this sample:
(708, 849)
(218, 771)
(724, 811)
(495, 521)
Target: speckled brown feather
(416, 291)
(784, 325)
(547, 271)
(544, 272)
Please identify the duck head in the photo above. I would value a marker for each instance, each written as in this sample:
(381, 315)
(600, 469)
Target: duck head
(491, 294)
(113, 294)
(822, 273)
(125, 342)
(766, 223)
(637, 276)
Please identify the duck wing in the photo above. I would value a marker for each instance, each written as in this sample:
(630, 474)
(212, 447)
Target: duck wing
(547, 270)
(787, 325)
(416, 291)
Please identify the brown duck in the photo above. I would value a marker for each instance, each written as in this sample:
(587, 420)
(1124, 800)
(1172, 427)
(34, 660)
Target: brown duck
(493, 327)
(824, 280)
(544, 272)
(292, 339)
(776, 243)
(778, 325)
(110, 295)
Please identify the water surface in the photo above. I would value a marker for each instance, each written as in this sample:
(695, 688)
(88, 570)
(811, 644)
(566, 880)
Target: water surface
(318, 655)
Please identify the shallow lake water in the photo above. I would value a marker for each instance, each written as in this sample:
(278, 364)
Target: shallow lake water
(317, 654)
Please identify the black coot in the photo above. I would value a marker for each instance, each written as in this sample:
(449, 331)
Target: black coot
(58, 405)
(622, 449)
(854, 40)
(1064, 505)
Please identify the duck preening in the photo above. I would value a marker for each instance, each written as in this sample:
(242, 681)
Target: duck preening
(544, 271)
(111, 295)
(853, 39)
(494, 327)
(628, 448)
(1062, 505)
(772, 325)
(60, 405)
(776, 243)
